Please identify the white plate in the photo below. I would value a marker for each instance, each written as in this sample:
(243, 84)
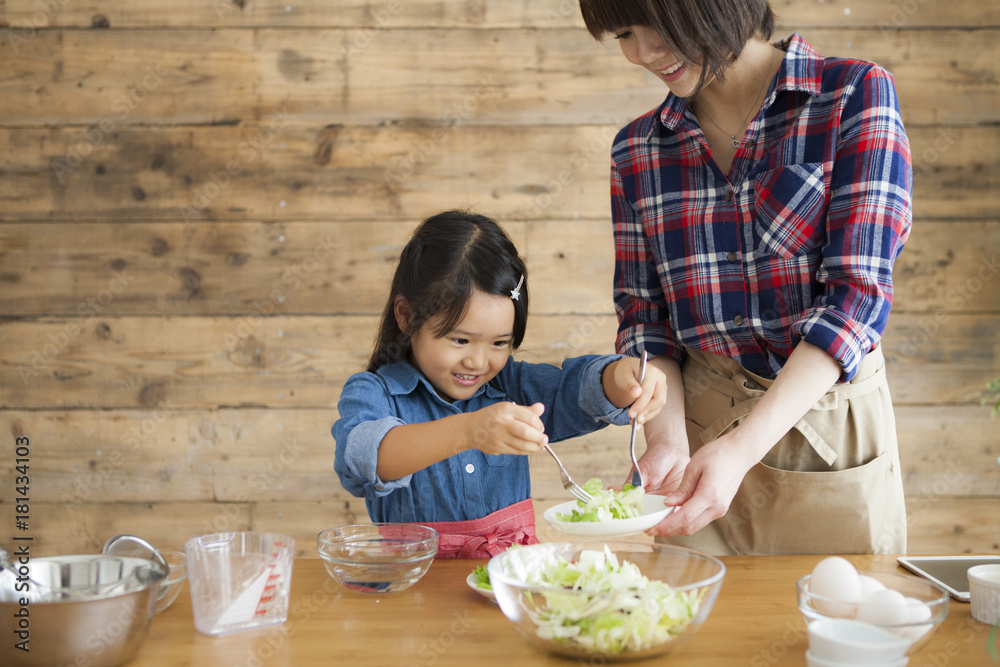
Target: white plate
(471, 580)
(653, 512)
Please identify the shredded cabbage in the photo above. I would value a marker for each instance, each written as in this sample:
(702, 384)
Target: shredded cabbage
(607, 504)
(645, 613)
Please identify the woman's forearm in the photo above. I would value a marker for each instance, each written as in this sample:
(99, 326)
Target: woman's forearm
(806, 377)
(667, 428)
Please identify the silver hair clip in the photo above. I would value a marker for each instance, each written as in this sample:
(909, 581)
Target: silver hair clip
(516, 292)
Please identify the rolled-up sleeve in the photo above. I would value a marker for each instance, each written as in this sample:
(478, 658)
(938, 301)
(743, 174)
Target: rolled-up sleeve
(869, 219)
(574, 396)
(366, 415)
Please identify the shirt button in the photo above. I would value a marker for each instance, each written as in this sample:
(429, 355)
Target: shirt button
(732, 257)
(729, 195)
(748, 143)
(738, 320)
(469, 468)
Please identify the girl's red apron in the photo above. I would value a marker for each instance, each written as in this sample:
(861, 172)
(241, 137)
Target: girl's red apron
(488, 536)
(832, 485)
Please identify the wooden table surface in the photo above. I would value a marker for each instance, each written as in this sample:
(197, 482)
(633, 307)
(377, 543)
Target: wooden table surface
(440, 621)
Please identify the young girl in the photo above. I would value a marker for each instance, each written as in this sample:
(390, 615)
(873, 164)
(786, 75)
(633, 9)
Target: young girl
(435, 431)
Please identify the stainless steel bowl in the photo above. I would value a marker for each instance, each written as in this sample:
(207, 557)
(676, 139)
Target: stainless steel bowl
(93, 610)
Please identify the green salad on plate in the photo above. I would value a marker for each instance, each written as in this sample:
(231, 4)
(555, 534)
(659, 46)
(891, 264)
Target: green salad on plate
(607, 504)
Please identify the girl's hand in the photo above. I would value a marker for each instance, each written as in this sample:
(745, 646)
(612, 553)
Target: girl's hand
(506, 428)
(620, 380)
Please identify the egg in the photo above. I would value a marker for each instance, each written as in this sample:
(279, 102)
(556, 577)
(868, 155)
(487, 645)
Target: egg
(836, 579)
(869, 585)
(885, 607)
(918, 612)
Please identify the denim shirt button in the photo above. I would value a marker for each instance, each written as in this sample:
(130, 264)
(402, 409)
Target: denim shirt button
(469, 468)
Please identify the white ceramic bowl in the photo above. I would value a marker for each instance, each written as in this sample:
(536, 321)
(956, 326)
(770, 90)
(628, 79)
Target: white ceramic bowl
(984, 591)
(813, 660)
(847, 640)
(932, 598)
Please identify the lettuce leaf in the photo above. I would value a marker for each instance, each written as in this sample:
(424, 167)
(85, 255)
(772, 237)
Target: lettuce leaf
(607, 504)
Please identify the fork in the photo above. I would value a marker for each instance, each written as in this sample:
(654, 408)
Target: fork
(574, 489)
(636, 475)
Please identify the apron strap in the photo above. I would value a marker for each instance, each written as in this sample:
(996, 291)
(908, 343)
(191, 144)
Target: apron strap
(489, 535)
(746, 389)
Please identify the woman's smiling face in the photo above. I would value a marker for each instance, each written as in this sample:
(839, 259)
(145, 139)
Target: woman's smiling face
(472, 353)
(643, 47)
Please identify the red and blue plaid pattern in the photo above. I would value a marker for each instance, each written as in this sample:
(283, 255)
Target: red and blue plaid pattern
(797, 243)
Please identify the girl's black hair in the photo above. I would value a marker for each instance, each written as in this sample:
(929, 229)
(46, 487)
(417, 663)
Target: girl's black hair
(449, 255)
(709, 33)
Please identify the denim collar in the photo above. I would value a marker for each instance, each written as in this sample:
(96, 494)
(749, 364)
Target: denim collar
(401, 378)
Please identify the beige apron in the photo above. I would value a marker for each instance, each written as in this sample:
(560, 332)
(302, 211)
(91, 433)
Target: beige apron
(831, 485)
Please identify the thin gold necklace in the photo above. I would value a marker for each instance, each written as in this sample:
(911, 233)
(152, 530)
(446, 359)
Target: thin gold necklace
(736, 142)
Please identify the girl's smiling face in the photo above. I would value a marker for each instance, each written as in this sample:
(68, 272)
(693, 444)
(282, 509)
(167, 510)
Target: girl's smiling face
(643, 47)
(472, 353)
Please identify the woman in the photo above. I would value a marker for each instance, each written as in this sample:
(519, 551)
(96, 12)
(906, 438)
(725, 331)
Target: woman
(757, 215)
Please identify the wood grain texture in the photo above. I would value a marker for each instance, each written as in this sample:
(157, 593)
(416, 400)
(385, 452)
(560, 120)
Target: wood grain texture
(200, 471)
(283, 171)
(336, 268)
(446, 76)
(280, 361)
(201, 204)
(539, 14)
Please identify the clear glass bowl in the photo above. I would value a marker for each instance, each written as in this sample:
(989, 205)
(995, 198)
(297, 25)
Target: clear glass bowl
(621, 624)
(171, 587)
(378, 557)
(918, 629)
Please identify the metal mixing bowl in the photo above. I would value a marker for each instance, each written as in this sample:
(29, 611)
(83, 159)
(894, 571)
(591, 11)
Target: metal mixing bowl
(93, 610)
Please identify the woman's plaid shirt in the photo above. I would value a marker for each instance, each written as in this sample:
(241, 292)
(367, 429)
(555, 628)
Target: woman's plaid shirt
(797, 243)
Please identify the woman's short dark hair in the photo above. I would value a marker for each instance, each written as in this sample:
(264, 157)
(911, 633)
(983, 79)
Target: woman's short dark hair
(450, 255)
(709, 33)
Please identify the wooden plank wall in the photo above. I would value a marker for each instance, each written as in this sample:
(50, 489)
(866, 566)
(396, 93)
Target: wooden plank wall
(201, 203)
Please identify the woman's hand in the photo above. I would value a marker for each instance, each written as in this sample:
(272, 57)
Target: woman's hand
(708, 487)
(620, 380)
(506, 428)
(662, 467)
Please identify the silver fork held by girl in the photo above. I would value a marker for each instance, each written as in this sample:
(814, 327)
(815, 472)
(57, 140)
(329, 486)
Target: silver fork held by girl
(572, 487)
(636, 475)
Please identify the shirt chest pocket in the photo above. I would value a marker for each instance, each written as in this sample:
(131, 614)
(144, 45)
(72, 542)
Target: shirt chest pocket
(791, 209)
(499, 460)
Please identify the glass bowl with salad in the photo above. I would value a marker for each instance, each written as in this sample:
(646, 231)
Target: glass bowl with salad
(609, 600)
